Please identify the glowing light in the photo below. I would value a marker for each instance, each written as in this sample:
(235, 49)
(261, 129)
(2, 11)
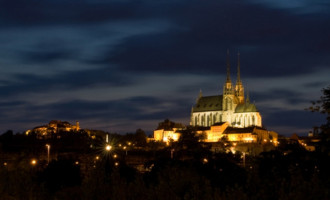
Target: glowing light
(248, 139)
(116, 163)
(5, 164)
(97, 157)
(33, 162)
(115, 156)
(77, 163)
(205, 160)
(108, 147)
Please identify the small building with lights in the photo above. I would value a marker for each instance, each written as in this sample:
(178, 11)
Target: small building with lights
(167, 131)
(252, 134)
(53, 127)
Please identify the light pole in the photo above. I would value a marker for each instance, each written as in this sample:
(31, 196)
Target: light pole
(48, 152)
(244, 159)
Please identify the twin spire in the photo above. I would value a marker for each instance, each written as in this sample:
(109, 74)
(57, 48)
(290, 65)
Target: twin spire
(238, 90)
(228, 67)
(238, 69)
(228, 80)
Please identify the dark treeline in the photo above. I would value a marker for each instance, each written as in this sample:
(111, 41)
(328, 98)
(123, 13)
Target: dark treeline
(182, 170)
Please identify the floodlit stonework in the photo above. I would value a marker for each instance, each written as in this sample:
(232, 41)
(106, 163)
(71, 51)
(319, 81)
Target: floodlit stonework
(168, 131)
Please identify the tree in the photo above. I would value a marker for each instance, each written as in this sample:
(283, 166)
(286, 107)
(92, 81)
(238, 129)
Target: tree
(323, 106)
(140, 138)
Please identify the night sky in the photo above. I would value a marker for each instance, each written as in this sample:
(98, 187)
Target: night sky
(120, 65)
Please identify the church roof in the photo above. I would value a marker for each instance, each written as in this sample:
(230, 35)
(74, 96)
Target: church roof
(208, 103)
(246, 107)
(234, 130)
(168, 125)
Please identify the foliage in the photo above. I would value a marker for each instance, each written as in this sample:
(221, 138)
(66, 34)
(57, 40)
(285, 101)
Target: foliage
(323, 106)
(60, 174)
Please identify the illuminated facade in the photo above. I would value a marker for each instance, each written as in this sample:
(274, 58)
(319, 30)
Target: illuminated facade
(53, 127)
(168, 131)
(230, 107)
(252, 134)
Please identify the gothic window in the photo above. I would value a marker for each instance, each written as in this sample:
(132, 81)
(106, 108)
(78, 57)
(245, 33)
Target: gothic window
(196, 122)
(228, 104)
(208, 120)
(253, 120)
(215, 118)
(203, 120)
(211, 119)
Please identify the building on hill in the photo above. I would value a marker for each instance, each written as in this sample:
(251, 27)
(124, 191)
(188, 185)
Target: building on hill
(231, 107)
(167, 131)
(252, 134)
(53, 127)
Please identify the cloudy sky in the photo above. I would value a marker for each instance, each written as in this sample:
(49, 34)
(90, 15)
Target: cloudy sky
(120, 65)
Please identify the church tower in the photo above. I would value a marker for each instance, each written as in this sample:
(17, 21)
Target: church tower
(239, 89)
(228, 89)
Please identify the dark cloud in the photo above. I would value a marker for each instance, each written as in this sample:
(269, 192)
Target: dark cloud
(66, 81)
(292, 97)
(27, 13)
(304, 121)
(276, 44)
(316, 84)
(141, 108)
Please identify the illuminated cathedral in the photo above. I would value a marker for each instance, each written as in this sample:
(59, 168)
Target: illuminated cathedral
(231, 107)
(230, 116)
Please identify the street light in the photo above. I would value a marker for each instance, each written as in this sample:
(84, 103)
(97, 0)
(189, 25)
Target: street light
(108, 147)
(125, 148)
(48, 152)
(33, 162)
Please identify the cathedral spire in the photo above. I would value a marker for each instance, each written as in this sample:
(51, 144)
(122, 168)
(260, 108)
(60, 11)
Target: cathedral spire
(239, 89)
(238, 68)
(247, 97)
(200, 93)
(228, 67)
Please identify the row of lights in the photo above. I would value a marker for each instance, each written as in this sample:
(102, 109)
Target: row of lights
(108, 148)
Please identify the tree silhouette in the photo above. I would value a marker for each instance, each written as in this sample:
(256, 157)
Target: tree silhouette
(323, 106)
